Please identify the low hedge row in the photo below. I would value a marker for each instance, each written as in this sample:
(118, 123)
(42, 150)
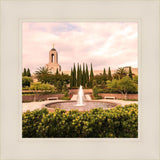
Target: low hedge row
(117, 122)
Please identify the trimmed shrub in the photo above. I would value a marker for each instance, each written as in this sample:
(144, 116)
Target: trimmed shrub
(112, 123)
(26, 81)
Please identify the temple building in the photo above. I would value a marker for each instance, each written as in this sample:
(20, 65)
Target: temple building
(53, 65)
(53, 61)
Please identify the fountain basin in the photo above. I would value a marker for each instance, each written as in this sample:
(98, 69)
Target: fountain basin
(87, 106)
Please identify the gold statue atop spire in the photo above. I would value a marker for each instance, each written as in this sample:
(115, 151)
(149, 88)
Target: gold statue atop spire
(53, 45)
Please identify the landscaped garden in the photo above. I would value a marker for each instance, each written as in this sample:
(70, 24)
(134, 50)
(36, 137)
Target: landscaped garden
(119, 122)
(121, 82)
(101, 120)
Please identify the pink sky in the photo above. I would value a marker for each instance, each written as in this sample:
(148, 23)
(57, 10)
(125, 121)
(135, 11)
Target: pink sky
(104, 44)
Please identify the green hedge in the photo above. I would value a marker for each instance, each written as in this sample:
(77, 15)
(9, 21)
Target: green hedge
(117, 122)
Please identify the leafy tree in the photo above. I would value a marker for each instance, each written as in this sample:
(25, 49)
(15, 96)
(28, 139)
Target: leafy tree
(95, 91)
(64, 87)
(26, 81)
(59, 86)
(100, 78)
(130, 73)
(123, 85)
(109, 74)
(94, 83)
(135, 79)
(28, 73)
(103, 84)
(65, 90)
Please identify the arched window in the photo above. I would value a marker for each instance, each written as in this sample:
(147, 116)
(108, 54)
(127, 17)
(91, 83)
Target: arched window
(52, 58)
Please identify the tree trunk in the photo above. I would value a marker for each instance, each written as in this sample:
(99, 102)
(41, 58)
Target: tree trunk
(125, 96)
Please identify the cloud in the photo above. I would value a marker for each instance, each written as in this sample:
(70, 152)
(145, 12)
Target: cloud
(103, 44)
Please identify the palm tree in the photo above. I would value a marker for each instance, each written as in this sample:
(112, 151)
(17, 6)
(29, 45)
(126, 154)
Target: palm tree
(42, 74)
(42, 70)
(120, 73)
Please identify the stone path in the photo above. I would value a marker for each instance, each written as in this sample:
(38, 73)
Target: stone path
(38, 105)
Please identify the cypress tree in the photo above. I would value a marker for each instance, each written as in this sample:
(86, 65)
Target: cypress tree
(91, 73)
(84, 76)
(109, 74)
(57, 72)
(91, 76)
(87, 75)
(104, 75)
(104, 72)
(71, 79)
(24, 72)
(130, 73)
(74, 75)
(78, 75)
(28, 73)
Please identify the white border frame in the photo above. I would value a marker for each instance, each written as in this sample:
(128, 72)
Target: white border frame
(83, 148)
(139, 59)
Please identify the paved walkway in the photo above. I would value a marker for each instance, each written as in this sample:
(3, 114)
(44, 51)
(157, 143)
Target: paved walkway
(38, 105)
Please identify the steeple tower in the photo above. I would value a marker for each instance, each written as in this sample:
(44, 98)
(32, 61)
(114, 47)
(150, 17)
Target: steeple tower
(53, 61)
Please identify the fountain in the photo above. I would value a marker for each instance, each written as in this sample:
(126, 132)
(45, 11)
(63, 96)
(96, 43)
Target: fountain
(78, 103)
(80, 97)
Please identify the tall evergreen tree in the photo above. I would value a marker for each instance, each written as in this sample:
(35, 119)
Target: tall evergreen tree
(78, 75)
(71, 80)
(91, 72)
(28, 73)
(91, 77)
(57, 72)
(84, 76)
(74, 76)
(24, 72)
(130, 73)
(87, 75)
(104, 72)
(109, 74)
(104, 76)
